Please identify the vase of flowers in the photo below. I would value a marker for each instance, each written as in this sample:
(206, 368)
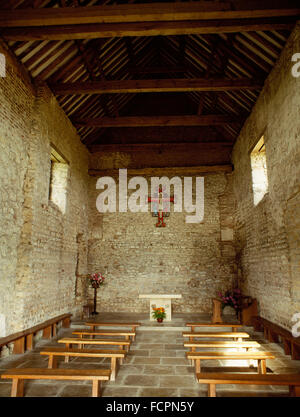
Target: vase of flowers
(159, 314)
(96, 280)
(232, 298)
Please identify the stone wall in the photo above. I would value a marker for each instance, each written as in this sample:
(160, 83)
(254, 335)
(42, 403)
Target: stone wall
(195, 260)
(43, 251)
(268, 234)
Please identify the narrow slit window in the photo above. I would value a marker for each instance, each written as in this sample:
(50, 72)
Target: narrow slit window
(58, 180)
(259, 171)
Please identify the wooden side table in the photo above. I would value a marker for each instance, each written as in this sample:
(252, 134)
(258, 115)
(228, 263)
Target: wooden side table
(86, 311)
(217, 311)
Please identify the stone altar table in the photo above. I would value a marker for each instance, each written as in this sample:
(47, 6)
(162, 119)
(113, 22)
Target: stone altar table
(161, 300)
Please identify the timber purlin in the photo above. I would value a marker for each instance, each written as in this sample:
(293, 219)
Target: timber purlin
(23, 340)
(272, 332)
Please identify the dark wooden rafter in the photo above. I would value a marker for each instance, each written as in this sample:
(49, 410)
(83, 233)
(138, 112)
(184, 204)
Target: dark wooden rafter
(162, 12)
(157, 85)
(140, 121)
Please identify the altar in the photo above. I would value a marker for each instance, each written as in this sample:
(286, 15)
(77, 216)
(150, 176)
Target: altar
(161, 300)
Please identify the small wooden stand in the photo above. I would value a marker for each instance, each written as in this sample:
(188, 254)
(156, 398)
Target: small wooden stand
(217, 311)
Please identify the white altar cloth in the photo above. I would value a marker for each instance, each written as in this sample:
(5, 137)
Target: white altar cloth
(161, 300)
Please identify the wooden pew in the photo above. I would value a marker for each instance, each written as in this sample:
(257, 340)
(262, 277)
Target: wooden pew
(93, 325)
(24, 340)
(126, 334)
(69, 341)
(259, 356)
(212, 379)
(238, 336)
(20, 374)
(219, 344)
(233, 326)
(272, 333)
(53, 353)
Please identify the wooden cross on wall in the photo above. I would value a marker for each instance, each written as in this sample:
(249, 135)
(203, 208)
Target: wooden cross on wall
(159, 210)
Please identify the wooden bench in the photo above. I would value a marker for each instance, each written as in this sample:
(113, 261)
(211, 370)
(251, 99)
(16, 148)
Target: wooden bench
(218, 344)
(126, 334)
(53, 353)
(272, 333)
(238, 336)
(93, 325)
(212, 379)
(69, 341)
(259, 356)
(24, 340)
(233, 326)
(19, 375)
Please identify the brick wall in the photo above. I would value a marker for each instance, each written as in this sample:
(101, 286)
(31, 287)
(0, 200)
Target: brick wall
(195, 260)
(43, 252)
(267, 235)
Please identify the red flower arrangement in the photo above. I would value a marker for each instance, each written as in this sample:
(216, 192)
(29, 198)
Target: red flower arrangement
(232, 298)
(96, 280)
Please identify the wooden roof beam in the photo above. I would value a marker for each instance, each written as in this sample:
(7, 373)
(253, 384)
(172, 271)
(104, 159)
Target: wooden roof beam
(134, 13)
(141, 121)
(150, 86)
(112, 30)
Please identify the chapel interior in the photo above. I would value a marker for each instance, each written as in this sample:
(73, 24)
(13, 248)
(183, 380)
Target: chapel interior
(204, 89)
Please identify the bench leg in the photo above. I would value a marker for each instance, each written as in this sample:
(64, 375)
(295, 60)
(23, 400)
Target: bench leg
(47, 332)
(113, 366)
(212, 390)
(52, 362)
(29, 342)
(19, 345)
(96, 389)
(261, 365)
(54, 329)
(17, 389)
(197, 366)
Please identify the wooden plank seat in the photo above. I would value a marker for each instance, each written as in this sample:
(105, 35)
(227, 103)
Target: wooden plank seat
(220, 344)
(93, 325)
(69, 341)
(238, 336)
(53, 353)
(23, 340)
(212, 379)
(20, 374)
(91, 333)
(234, 326)
(259, 356)
(273, 332)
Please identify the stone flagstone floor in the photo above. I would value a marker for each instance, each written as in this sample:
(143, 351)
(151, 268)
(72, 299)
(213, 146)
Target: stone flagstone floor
(154, 367)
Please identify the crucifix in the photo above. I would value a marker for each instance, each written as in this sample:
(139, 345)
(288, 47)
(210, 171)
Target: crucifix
(158, 209)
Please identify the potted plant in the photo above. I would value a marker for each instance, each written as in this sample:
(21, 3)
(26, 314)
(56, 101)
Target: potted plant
(159, 314)
(232, 298)
(96, 281)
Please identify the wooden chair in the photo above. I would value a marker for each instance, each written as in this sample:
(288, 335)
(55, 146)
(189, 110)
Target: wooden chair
(20, 374)
(212, 379)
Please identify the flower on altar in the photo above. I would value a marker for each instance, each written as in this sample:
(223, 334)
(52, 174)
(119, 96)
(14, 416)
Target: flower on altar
(158, 313)
(96, 279)
(232, 298)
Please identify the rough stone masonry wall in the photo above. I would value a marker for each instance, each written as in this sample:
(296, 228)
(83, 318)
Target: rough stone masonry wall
(42, 251)
(195, 260)
(268, 234)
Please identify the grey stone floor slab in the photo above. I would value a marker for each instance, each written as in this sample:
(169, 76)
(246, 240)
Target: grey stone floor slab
(155, 366)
